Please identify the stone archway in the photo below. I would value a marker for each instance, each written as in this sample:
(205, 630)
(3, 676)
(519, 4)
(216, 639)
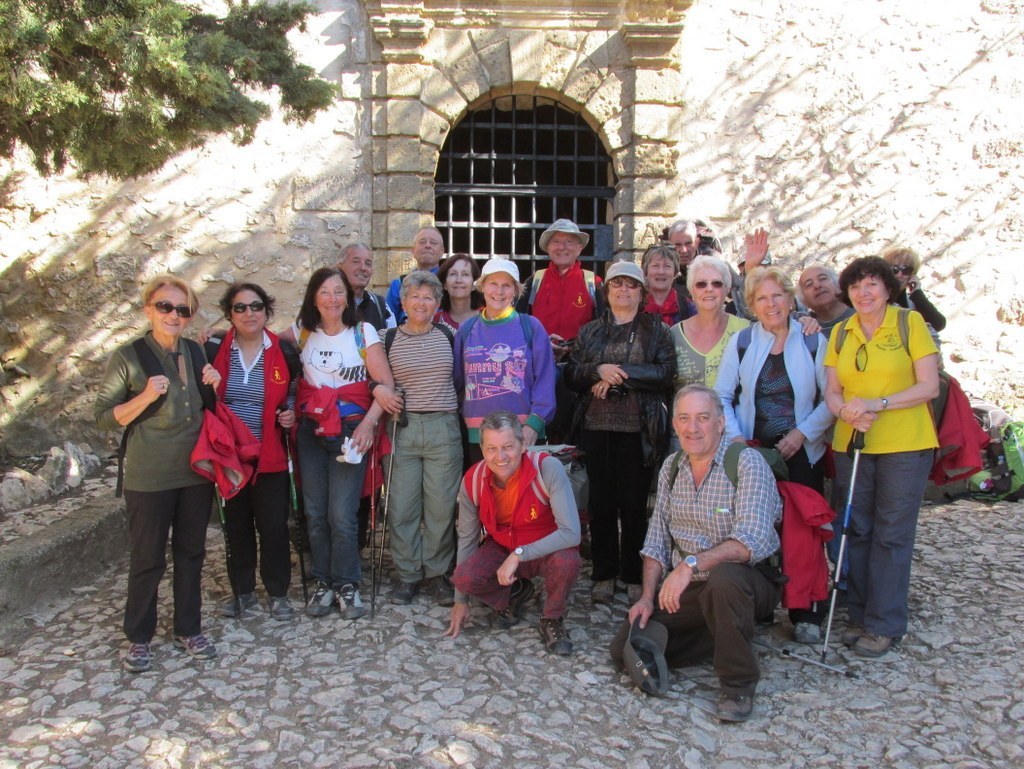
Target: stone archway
(431, 63)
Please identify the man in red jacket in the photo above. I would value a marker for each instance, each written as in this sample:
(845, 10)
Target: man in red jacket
(523, 502)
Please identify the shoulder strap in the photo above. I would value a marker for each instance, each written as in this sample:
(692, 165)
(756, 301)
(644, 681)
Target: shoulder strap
(539, 487)
(743, 342)
(303, 337)
(903, 326)
(524, 321)
(206, 392)
(732, 462)
(389, 339)
(811, 343)
(150, 367)
(591, 281)
(476, 479)
(841, 333)
(357, 329)
(535, 282)
(673, 471)
(443, 328)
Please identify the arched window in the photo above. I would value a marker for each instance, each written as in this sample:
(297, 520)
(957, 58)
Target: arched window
(512, 167)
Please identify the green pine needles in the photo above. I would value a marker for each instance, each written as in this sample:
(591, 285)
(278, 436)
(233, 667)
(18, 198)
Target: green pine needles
(118, 87)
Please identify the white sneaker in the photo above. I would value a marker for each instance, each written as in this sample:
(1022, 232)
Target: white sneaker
(351, 602)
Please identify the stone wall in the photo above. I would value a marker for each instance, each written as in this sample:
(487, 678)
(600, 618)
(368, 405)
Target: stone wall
(840, 126)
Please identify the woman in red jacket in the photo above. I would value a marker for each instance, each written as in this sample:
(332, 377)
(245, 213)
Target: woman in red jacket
(255, 374)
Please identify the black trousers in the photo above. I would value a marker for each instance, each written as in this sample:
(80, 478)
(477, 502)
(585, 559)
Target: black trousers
(183, 514)
(619, 485)
(716, 621)
(259, 508)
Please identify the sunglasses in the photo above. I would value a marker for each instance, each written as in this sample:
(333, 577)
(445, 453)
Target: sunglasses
(166, 308)
(627, 282)
(903, 269)
(861, 360)
(706, 283)
(240, 307)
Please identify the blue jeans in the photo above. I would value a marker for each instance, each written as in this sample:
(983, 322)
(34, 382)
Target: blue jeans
(880, 539)
(330, 491)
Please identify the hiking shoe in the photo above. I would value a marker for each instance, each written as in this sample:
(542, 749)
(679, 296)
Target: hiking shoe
(404, 592)
(239, 605)
(871, 645)
(198, 647)
(350, 602)
(734, 708)
(441, 589)
(522, 591)
(851, 635)
(634, 593)
(603, 591)
(281, 608)
(321, 601)
(806, 633)
(138, 659)
(553, 636)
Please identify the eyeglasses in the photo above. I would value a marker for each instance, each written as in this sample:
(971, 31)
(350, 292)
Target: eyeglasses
(706, 283)
(627, 282)
(861, 361)
(166, 308)
(240, 307)
(903, 269)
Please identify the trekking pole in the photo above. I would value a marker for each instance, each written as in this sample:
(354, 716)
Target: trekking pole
(856, 443)
(373, 527)
(227, 547)
(399, 419)
(300, 523)
(809, 660)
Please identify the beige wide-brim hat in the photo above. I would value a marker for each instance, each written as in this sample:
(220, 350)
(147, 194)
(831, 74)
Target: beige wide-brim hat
(563, 225)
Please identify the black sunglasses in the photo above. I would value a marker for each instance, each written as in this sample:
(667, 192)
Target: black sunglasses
(705, 283)
(166, 308)
(903, 269)
(240, 307)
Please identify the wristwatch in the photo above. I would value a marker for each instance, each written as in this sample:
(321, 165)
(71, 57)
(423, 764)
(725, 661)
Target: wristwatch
(885, 403)
(519, 552)
(691, 561)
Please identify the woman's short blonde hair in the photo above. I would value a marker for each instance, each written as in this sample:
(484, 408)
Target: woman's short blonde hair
(903, 256)
(759, 275)
(156, 283)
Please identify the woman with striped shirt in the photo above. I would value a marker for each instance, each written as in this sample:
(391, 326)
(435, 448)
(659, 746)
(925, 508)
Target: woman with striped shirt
(427, 451)
(255, 374)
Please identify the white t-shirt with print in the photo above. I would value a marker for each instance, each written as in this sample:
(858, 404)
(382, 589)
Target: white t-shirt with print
(334, 361)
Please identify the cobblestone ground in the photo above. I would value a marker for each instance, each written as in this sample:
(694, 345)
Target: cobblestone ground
(394, 692)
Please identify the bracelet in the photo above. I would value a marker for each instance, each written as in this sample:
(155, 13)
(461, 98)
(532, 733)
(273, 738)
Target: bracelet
(373, 421)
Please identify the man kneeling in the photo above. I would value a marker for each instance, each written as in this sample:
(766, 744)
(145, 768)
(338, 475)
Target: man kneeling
(707, 536)
(523, 503)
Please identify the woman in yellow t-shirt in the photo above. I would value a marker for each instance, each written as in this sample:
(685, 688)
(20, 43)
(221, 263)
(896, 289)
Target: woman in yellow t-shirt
(880, 383)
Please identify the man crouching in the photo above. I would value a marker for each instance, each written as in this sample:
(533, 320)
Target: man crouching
(527, 512)
(707, 536)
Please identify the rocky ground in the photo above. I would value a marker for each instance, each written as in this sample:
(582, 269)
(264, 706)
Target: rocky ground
(394, 692)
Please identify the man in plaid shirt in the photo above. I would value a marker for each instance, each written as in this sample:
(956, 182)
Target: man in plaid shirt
(707, 538)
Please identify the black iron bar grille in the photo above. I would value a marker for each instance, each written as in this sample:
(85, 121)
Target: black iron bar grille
(512, 167)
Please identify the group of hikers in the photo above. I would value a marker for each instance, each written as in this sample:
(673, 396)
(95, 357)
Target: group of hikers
(445, 387)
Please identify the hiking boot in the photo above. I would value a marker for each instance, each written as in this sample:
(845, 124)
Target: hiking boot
(138, 659)
(522, 591)
(240, 605)
(281, 608)
(553, 636)
(603, 591)
(734, 707)
(634, 593)
(851, 635)
(806, 633)
(404, 592)
(442, 591)
(871, 645)
(350, 602)
(321, 601)
(198, 647)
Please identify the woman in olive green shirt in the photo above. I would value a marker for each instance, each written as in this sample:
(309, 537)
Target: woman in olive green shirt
(162, 493)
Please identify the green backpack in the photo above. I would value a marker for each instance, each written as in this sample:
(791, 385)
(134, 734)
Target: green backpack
(1003, 476)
